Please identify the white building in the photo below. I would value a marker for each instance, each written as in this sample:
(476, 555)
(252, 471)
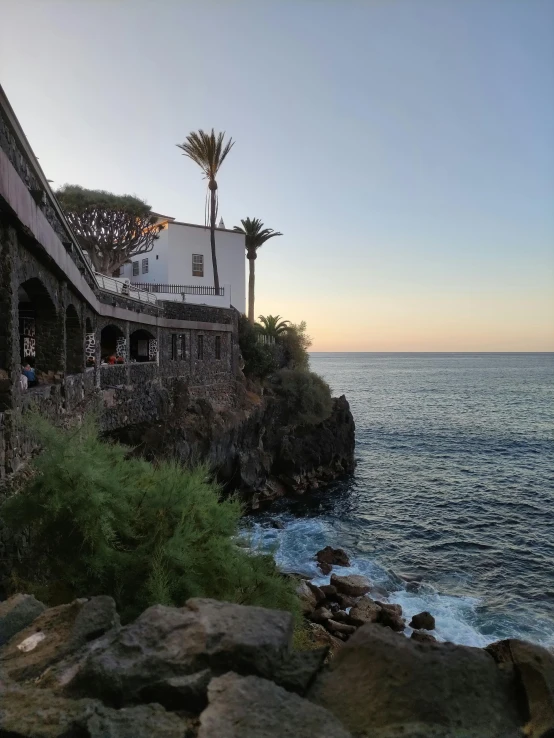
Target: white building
(181, 262)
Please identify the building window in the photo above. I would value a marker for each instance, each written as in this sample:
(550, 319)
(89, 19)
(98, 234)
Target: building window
(197, 265)
(218, 347)
(173, 346)
(135, 268)
(200, 348)
(183, 346)
(145, 266)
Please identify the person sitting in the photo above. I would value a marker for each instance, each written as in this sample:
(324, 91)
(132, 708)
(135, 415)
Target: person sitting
(111, 359)
(29, 372)
(24, 382)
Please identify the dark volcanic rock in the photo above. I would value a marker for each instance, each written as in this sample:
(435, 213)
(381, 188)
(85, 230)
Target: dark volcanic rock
(167, 642)
(330, 555)
(365, 611)
(423, 621)
(16, 613)
(422, 637)
(381, 681)
(352, 585)
(250, 707)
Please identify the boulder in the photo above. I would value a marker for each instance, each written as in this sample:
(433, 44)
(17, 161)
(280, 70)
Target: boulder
(319, 595)
(338, 627)
(167, 642)
(325, 568)
(54, 634)
(321, 615)
(423, 621)
(380, 683)
(336, 556)
(534, 667)
(346, 601)
(308, 601)
(422, 637)
(322, 637)
(329, 591)
(365, 611)
(391, 616)
(250, 707)
(298, 670)
(16, 613)
(38, 713)
(188, 693)
(353, 585)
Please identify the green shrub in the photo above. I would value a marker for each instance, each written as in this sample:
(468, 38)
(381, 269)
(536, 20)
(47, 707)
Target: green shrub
(306, 396)
(259, 360)
(295, 345)
(103, 523)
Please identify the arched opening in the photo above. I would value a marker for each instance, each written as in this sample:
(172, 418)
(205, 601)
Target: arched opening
(143, 346)
(113, 345)
(74, 357)
(40, 333)
(90, 343)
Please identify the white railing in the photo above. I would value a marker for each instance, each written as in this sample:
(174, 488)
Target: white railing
(122, 287)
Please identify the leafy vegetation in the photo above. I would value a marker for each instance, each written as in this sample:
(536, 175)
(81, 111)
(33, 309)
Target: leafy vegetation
(209, 151)
(110, 228)
(260, 360)
(305, 395)
(100, 522)
(255, 237)
(272, 326)
(295, 343)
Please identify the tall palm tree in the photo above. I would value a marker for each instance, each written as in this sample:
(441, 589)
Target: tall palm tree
(272, 326)
(256, 236)
(209, 152)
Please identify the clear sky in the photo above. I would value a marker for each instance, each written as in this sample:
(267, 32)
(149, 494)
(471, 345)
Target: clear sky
(404, 147)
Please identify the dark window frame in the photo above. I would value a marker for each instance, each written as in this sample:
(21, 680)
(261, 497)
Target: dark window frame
(218, 348)
(198, 268)
(145, 264)
(173, 347)
(200, 346)
(136, 267)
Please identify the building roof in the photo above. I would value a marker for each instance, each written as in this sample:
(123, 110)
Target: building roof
(206, 228)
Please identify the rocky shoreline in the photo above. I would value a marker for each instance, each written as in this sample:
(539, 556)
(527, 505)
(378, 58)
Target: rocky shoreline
(336, 610)
(217, 670)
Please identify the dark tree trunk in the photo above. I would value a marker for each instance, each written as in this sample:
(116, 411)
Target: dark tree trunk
(251, 285)
(213, 188)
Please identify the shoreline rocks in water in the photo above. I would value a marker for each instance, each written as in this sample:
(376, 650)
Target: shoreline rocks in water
(213, 669)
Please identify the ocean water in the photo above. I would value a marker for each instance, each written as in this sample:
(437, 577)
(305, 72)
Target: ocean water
(454, 484)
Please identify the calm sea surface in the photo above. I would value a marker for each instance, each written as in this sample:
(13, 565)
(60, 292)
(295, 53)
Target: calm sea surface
(454, 483)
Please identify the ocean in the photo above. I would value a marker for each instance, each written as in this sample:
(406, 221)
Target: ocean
(454, 484)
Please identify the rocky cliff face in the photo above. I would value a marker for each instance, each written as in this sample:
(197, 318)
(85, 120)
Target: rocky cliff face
(218, 670)
(250, 446)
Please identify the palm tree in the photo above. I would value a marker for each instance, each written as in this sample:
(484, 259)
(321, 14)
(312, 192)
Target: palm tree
(272, 326)
(209, 152)
(256, 236)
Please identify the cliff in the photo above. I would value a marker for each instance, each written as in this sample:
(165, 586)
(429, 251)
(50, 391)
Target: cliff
(217, 670)
(250, 444)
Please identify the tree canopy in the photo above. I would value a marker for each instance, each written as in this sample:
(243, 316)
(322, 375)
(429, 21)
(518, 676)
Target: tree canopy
(256, 235)
(110, 228)
(273, 326)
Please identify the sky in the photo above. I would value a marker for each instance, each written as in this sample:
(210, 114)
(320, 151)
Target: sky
(405, 148)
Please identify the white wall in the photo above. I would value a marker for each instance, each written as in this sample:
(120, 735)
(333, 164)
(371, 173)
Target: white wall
(157, 263)
(174, 249)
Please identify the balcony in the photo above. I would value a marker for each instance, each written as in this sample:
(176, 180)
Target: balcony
(123, 288)
(202, 294)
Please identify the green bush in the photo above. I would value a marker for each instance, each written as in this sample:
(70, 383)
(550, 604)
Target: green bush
(295, 345)
(306, 396)
(100, 522)
(259, 360)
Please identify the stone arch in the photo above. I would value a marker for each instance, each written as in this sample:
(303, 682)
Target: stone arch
(74, 354)
(143, 345)
(112, 343)
(40, 330)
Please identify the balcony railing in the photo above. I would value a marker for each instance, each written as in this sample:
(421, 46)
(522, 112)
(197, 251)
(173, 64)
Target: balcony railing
(125, 289)
(180, 289)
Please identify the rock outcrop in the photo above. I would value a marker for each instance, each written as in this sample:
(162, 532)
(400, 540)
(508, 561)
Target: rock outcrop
(217, 670)
(251, 446)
